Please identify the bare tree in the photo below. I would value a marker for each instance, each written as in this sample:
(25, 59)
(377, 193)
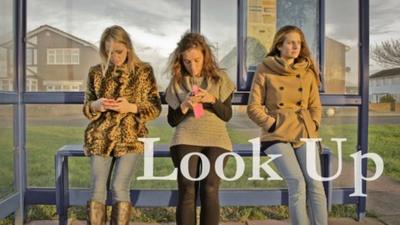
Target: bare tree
(387, 53)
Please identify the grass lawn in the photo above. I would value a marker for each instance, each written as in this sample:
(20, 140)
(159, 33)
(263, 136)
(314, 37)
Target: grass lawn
(43, 142)
(6, 162)
(382, 139)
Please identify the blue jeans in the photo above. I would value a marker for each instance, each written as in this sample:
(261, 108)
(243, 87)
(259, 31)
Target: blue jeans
(124, 168)
(302, 188)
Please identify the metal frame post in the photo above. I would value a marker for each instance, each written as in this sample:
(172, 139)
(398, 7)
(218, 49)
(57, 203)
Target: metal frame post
(363, 91)
(195, 16)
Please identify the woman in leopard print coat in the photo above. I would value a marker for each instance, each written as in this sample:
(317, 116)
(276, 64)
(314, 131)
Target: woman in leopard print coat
(121, 96)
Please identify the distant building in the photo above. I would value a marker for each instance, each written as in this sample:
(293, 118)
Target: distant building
(56, 61)
(335, 67)
(383, 83)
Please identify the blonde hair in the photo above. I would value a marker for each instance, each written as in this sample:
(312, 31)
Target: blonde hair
(117, 34)
(193, 40)
(305, 52)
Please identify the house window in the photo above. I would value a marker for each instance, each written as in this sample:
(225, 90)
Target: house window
(396, 81)
(50, 88)
(74, 87)
(31, 85)
(63, 85)
(371, 83)
(6, 85)
(3, 69)
(63, 56)
(31, 56)
(3, 63)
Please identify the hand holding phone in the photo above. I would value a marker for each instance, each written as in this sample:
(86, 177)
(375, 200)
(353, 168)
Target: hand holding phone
(197, 107)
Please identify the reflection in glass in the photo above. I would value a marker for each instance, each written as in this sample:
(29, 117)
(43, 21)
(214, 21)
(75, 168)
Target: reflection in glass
(265, 17)
(49, 127)
(6, 151)
(340, 122)
(61, 49)
(7, 44)
(218, 24)
(341, 47)
(337, 122)
(241, 129)
(383, 135)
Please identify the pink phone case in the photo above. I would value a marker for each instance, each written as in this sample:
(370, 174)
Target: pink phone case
(198, 108)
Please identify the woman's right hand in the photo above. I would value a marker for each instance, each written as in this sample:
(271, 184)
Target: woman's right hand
(102, 104)
(189, 102)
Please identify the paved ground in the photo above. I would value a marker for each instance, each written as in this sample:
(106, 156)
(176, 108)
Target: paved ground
(383, 195)
(332, 221)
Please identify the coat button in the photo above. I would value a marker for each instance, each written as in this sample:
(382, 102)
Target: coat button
(299, 103)
(298, 75)
(281, 88)
(281, 104)
(300, 89)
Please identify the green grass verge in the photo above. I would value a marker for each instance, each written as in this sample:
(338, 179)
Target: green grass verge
(43, 141)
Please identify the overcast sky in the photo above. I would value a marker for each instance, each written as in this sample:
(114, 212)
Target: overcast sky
(156, 25)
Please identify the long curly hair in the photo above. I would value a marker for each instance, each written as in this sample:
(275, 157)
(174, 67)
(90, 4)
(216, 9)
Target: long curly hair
(193, 40)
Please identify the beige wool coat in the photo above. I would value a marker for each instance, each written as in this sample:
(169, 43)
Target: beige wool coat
(287, 95)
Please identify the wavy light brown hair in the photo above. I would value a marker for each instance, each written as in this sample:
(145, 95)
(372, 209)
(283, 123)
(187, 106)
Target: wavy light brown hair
(305, 52)
(193, 40)
(118, 34)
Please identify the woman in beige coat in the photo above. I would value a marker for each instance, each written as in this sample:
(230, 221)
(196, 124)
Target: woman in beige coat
(285, 103)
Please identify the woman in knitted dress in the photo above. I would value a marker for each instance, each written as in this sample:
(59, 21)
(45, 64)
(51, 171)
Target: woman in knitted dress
(121, 96)
(199, 99)
(284, 101)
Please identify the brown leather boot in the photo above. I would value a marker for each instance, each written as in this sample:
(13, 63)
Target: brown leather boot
(121, 213)
(96, 213)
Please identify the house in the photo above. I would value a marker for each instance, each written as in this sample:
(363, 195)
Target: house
(55, 61)
(384, 82)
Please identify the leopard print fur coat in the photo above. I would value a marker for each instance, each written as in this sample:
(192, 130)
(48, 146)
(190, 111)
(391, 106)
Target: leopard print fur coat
(111, 133)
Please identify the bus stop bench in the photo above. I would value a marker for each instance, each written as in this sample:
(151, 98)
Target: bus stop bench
(66, 196)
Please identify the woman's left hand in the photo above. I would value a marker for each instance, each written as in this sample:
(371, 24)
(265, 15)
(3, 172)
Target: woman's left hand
(206, 97)
(123, 106)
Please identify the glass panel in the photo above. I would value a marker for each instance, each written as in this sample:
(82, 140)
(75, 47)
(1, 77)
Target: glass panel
(55, 36)
(341, 47)
(261, 27)
(340, 122)
(384, 88)
(6, 151)
(384, 133)
(221, 30)
(7, 43)
(337, 122)
(265, 17)
(241, 129)
(52, 126)
(49, 127)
